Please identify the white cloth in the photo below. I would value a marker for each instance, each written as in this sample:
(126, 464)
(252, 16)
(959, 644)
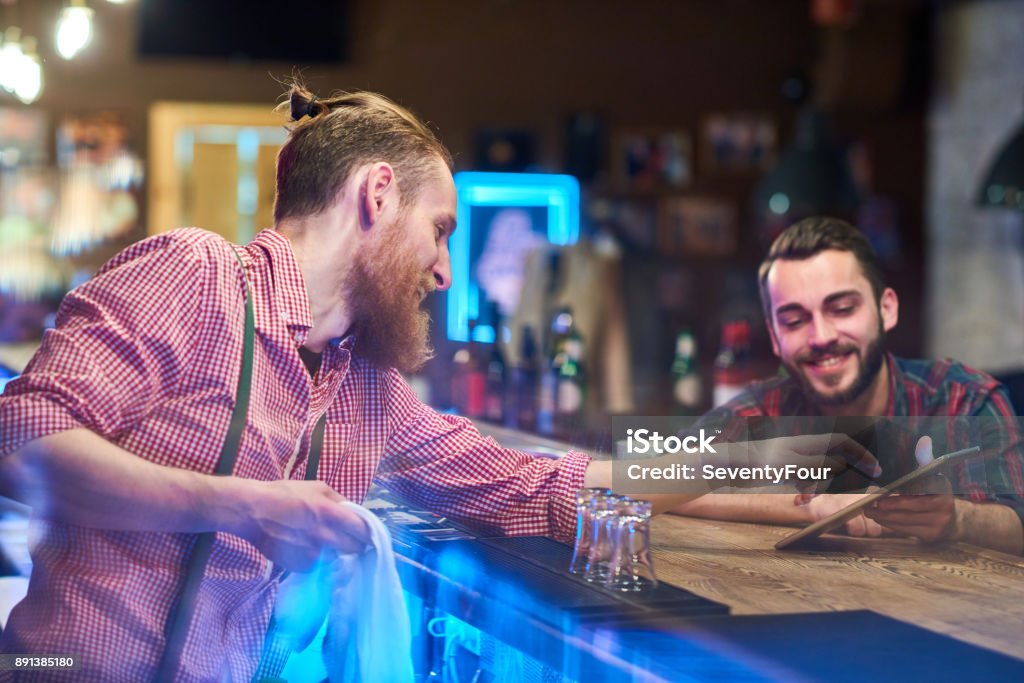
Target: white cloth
(12, 591)
(366, 636)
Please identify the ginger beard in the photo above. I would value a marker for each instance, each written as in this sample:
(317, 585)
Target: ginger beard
(385, 288)
(869, 364)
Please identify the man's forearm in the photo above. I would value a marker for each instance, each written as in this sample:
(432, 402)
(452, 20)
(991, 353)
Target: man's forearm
(989, 525)
(599, 474)
(763, 508)
(80, 478)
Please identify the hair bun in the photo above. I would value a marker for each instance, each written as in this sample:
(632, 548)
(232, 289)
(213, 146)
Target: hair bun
(303, 104)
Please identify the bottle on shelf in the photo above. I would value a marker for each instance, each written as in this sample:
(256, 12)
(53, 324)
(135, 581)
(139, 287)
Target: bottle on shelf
(469, 380)
(734, 368)
(459, 379)
(521, 407)
(687, 388)
(571, 392)
(547, 395)
(495, 398)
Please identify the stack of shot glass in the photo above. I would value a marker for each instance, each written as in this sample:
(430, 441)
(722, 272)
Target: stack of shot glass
(613, 541)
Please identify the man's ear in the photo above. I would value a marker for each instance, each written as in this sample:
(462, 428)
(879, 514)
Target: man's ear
(889, 308)
(377, 193)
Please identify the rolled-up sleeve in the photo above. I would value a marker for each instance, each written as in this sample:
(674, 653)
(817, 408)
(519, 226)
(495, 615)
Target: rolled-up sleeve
(999, 476)
(120, 342)
(444, 464)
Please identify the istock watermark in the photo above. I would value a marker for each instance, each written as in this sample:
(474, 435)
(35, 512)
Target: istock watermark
(646, 441)
(677, 455)
(721, 452)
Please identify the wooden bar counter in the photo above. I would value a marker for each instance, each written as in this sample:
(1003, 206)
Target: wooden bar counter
(849, 609)
(965, 592)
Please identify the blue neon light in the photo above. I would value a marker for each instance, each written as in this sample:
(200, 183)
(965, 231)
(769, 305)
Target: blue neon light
(559, 193)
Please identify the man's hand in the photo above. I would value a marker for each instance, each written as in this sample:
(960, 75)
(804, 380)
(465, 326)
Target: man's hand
(296, 523)
(79, 478)
(927, 512)
(821, 506)
(930, 518)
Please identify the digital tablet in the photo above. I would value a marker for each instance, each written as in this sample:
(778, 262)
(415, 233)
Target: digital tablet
(850, 511)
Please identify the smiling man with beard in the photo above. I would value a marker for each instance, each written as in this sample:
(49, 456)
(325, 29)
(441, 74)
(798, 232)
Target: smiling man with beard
(827, 310)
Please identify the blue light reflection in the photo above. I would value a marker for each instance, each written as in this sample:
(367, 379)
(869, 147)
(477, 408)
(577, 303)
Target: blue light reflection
(560, 194)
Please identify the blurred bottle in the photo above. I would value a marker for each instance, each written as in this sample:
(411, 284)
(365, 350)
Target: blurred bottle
(547, 396)
(521, 407)
(469, 380)
(495, 400)
(734, 368)
(459, 380)
(687, 388)
(571, 391)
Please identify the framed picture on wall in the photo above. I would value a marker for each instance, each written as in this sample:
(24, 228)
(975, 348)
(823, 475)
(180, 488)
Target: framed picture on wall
(634, 222)
(691, 225)
(737, 142)
(651, 159)
(23, 137)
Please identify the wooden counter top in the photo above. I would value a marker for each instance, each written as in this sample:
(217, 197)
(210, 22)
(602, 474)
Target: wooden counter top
(961, 591)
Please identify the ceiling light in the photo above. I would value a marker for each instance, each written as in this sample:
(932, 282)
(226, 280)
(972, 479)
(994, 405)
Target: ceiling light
(74, 29)
(10, 58)
(28, 79)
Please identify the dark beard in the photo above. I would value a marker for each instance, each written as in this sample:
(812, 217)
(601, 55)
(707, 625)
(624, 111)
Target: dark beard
(390, 329)
(870, 366)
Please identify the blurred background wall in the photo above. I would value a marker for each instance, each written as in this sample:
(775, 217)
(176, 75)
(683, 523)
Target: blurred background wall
(917, 95)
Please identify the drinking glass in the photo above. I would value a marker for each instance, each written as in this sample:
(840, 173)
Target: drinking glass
(584, 519)
(630, 567)
(601, 541)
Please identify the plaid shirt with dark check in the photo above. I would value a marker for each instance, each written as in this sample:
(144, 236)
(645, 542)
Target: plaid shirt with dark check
(925, 392)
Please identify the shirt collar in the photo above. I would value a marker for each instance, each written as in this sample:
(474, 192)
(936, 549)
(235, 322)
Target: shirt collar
(291, 299)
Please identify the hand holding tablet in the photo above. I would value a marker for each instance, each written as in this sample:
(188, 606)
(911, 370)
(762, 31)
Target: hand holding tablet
(922, 454)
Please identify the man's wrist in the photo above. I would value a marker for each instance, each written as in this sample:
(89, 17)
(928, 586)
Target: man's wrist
(962, 510)
(989, 525)
(802, 504)
(223, 504)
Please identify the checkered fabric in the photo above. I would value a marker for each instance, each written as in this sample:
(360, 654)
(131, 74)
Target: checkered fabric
(147, 354)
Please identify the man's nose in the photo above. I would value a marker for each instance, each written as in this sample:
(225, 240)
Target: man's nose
(442, 270)
(823, 332)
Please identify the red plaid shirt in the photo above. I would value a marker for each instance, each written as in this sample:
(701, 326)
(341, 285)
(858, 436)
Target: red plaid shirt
(147, 354)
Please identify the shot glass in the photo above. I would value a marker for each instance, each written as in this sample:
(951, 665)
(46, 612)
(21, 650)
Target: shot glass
(630, 567)
(584, 519)
(602, 542)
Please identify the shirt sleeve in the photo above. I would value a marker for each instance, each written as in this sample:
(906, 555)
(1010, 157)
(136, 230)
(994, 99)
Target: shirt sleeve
(120, 342)
(999, 476)
(444, 464)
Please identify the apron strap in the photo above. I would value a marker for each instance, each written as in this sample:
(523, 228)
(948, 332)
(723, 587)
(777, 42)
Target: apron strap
(180, 618)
